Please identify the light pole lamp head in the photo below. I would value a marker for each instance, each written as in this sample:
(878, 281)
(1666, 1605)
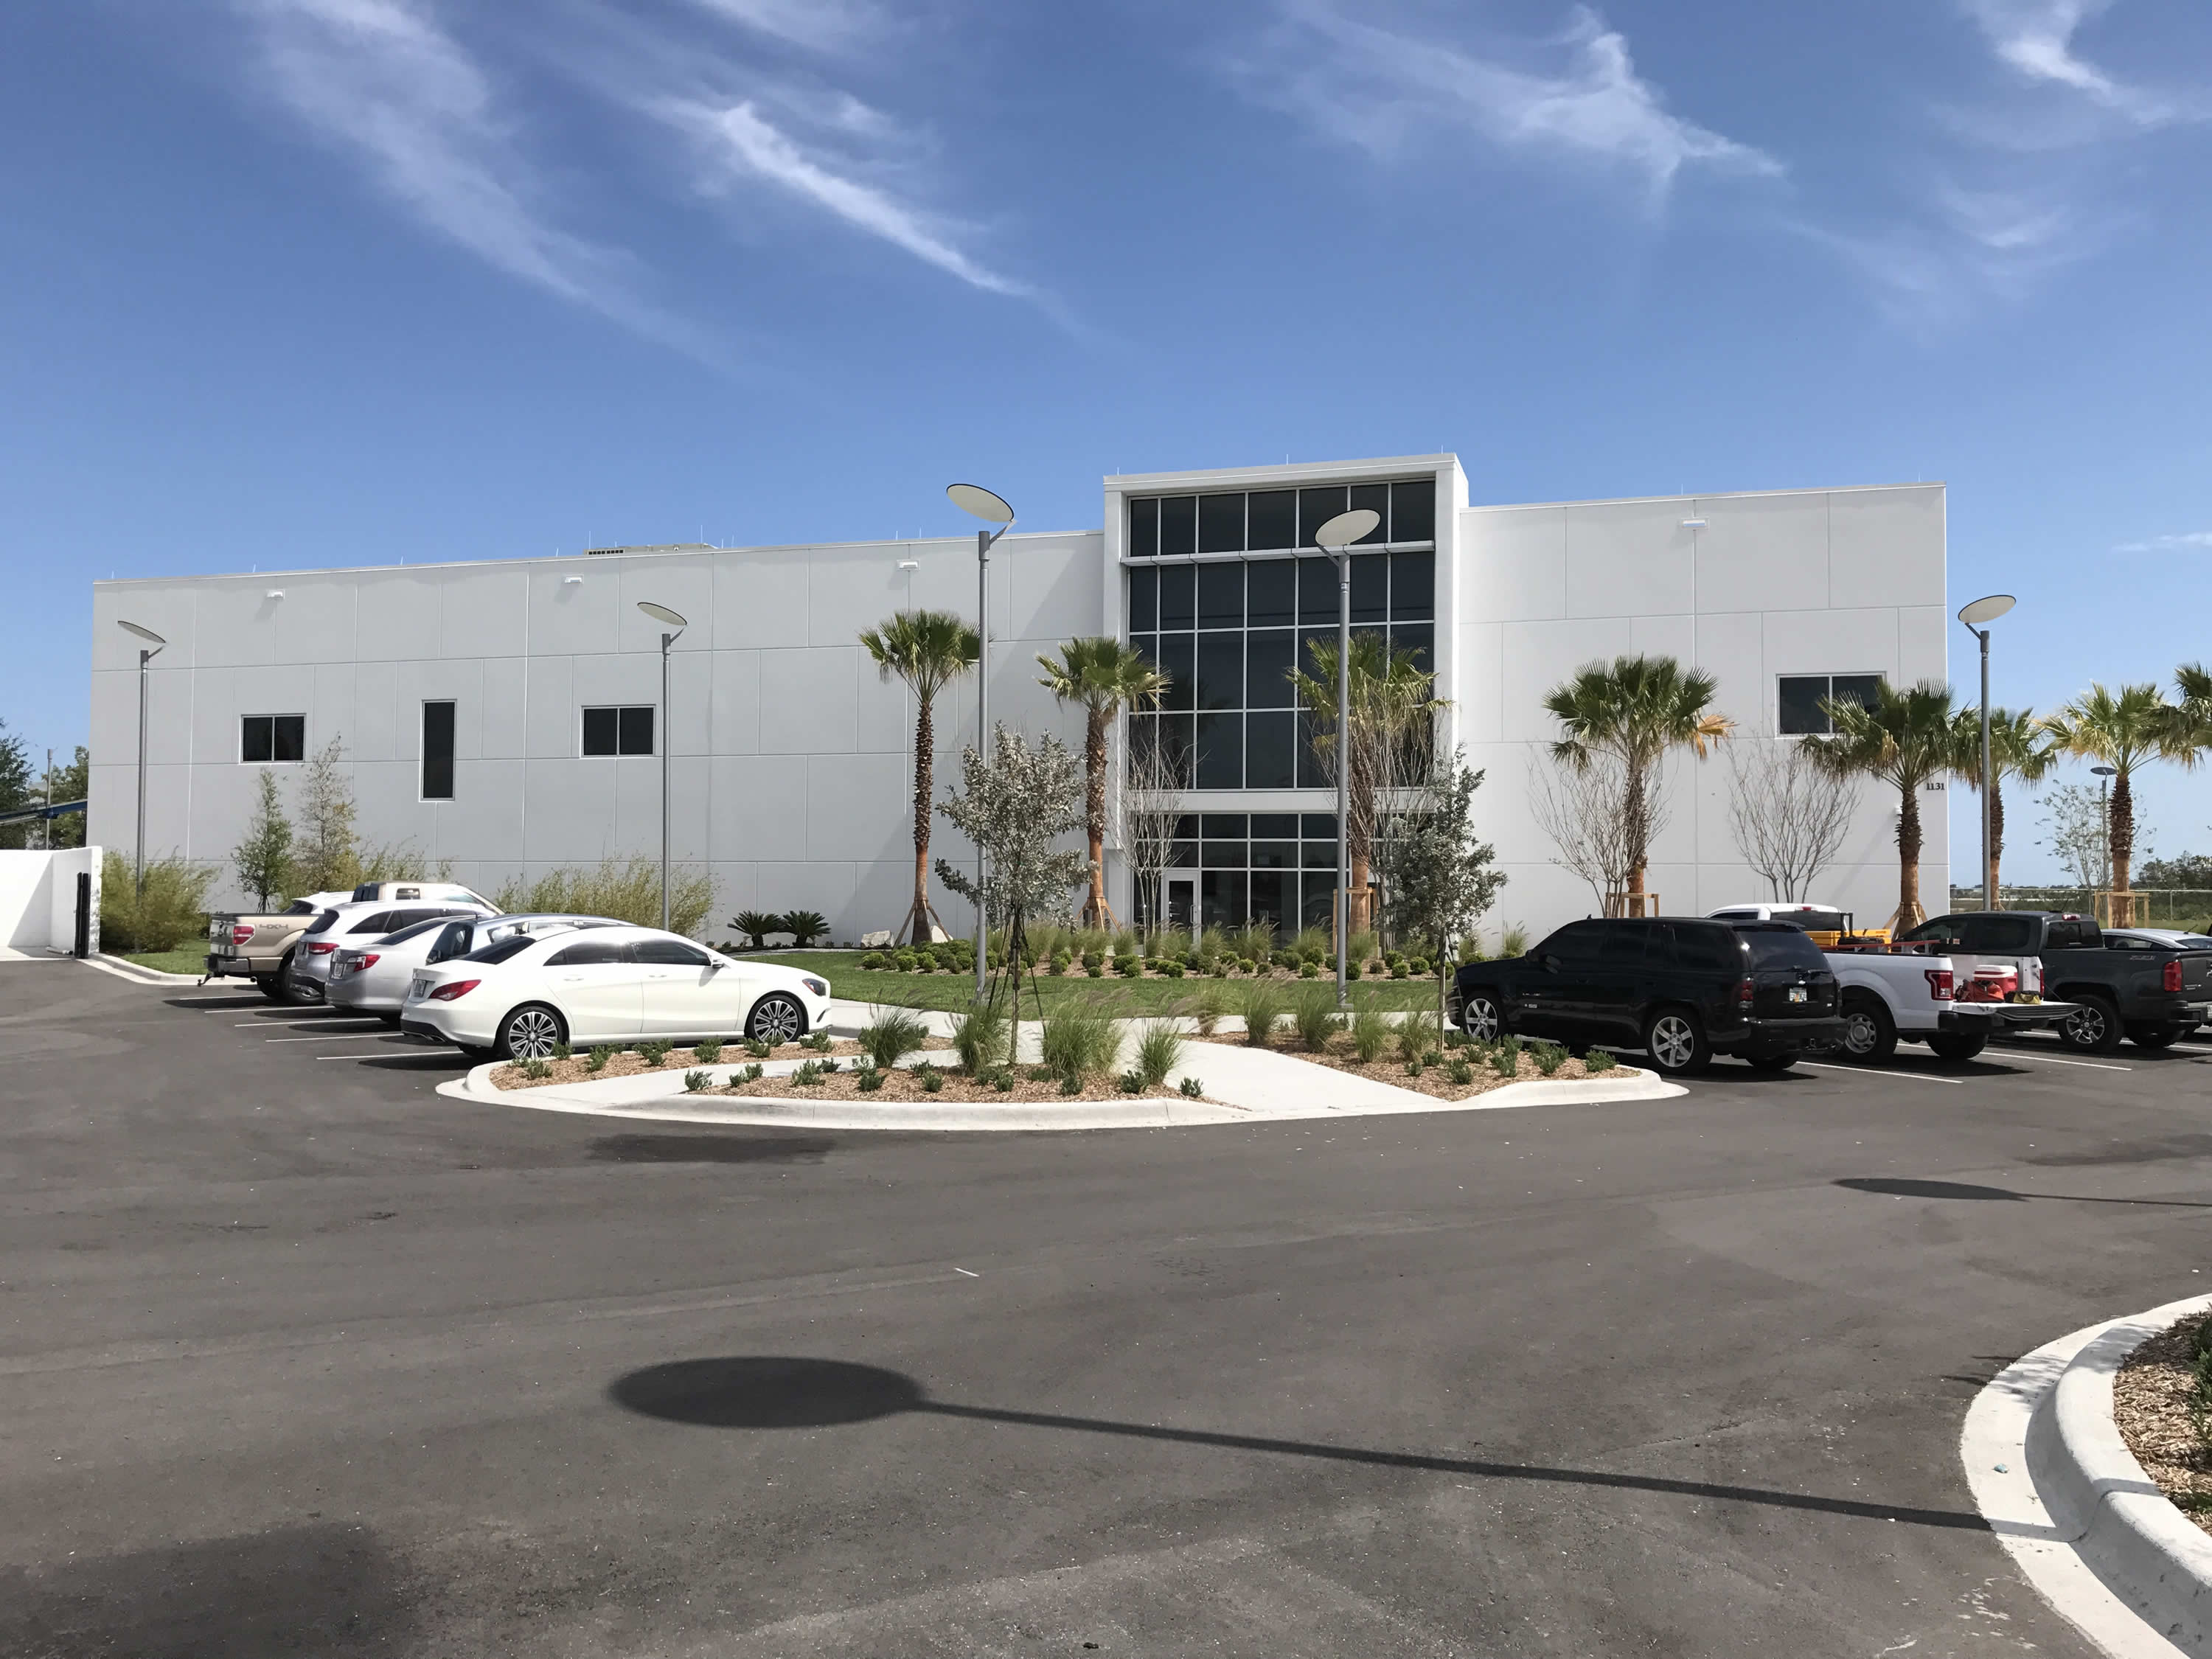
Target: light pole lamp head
(1986, 610)
(661, 613)
(2105, 771)
(1346, 528)
(974, 500)
(146, 634)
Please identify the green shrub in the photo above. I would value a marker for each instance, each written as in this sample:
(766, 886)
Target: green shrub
(871, 1079)
(1003, 1080)
(1505, 1060)
(1174, 971)
(932, 1079)
(698, 1080)
(1076, 1041)
(759, 1048)
(755, 924)
(1513, 941)
(172, 908)
(751, 1073)
(1371, 1031)
(1316, 1017)
(536, 1070)
(1399, 970)
(827, 1066)
(1308, 970)
(1598, 1060)
(979, 1037)
(1212, 1003)
(874, 959)
(1128, 967)
(1461, 1073)
(805, 926)
(906, 961)
(1417, 1034)
(1058, 965)
(1132, 1083)
(1071, 1085)
(1192, 1087)
(1311, 945)
(820, 1042)
(1159, 1051)
(1414, 1065)
(891, 1035)
(707, 1051)
(1420, 967)
(808, 1074)
(1097, 970)
(621, 890)
(600, 1054)
(654, 1052)
(1351, 971)
(1262, 1005)
(1548, 1056)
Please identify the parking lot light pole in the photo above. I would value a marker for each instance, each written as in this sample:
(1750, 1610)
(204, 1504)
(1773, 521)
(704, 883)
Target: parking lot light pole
(1986, 610)
(2105, 775)
(139, 846)
(1335, 538)
(979, 502)
(661, 613)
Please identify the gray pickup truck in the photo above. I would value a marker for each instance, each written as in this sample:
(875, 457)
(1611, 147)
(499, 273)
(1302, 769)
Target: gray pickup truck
(258, 947)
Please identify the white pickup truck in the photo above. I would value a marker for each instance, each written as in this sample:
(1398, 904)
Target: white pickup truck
(1954, 1004)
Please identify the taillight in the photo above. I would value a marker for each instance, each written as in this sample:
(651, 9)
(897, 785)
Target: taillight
(239, 932)
(457, 988)
(322, 950)
(368, 961)
(1745, 993)
(2171, 979)
(1939, 984)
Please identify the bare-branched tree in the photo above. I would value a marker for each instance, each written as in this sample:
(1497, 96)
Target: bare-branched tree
(1144, 810)
(1789, 814)
(1594, 820)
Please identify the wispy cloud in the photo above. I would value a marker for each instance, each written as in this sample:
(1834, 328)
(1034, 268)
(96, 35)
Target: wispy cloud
(1577, 96)
(2035, 40)
(818, 25)
(381, 81)
(743, 142)
(2186, 542)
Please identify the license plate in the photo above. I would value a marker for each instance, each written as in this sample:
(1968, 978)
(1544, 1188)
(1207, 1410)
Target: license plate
(2025, 996)
(1798, 994)
(421, 987)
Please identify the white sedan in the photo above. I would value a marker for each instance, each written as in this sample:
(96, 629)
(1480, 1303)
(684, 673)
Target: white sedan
(520, 998)
(373, 978)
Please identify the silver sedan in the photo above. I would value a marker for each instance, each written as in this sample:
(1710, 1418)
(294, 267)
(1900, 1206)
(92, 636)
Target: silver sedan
(372, 978)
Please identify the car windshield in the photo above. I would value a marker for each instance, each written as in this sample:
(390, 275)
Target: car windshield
(409, 932)
(500, 950)
(1812, 920)
(1779, 945)
(322, 924)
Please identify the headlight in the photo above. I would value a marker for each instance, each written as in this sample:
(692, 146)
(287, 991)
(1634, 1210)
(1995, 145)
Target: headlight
(817, 987)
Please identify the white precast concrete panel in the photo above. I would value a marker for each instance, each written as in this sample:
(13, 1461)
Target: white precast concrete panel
(396, 616)
(761, 598)
(1516, 564)
(573, 606)
(235, 624)
(303, 624)
(1923, 633)
(1540, 655)
(380, 691)
(758, 804)
(502, 726)
(1762, 552)
(736, 702)
(1880, 541)
(810, 700)
(551, 708)
(484, 611)
(1628, 559)
(1480, 684)
(690, 715)
(483, 822)
(850, 589)
(858, 809)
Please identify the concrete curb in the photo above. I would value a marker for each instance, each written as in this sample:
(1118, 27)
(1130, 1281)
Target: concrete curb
(661, 1096)
(2070, 1504)
(137, 975)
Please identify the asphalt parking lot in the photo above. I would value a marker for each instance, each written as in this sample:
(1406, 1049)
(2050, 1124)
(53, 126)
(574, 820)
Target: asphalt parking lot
(302, 1358)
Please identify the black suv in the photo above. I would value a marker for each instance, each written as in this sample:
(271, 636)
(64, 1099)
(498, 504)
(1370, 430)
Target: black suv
(1682, 989)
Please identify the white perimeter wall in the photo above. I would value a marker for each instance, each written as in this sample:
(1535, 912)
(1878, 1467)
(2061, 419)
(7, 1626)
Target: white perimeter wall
(792, 759)
(37, 897)
(1846, 582)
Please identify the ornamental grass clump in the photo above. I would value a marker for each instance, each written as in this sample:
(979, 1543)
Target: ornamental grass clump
(1262, 1005)
(1371, 1031)
(1314, 1018)
(698, 1080)
(1207, 1008)
(1159, 1051)
(1076, 1041)
(536, 1070)
(1418, 1035)
(891, 1035)
(979, 1037)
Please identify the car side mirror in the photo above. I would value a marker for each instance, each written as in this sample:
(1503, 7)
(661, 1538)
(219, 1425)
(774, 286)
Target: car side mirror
(1549, 963)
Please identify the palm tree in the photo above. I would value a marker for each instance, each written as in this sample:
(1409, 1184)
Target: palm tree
(1635, 709)
(1393, 703)
(2016, 749)
(1105, 676)
(2125, 729)
(929, 650)
(1904, 739)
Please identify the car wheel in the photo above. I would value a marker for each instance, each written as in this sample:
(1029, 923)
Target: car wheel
(1482, 1019)
(776, 1019)
(271, 986)
(477, 1056)
(531, 1032)
(1676, 1043)
(2094, 1027)
(392, 1020)
(1956, 1047)
(296, 991)
(2157, 1037)
(1869, 1034)
(1780, 1062)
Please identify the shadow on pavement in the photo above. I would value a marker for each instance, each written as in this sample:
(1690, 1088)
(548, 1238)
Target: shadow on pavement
(1903, 1187)
(320, 1589)
(786, 1392)
(711, 1149)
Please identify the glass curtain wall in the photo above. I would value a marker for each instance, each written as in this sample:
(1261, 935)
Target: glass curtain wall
(1234, 867)
(1228, 631)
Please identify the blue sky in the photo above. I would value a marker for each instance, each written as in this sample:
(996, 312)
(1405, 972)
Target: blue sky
(290, 283)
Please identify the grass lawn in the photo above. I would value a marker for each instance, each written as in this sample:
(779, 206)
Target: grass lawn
(178, 961)
(953, 992)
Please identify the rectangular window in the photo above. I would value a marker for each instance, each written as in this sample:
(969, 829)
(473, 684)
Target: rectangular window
(1267, 656)
(1413, 586)
(1798, 706)
(1144, 601)
(1270, 593)
(437, 751)
(618, 731)
(1144, 529)
(1413, 511)
(1221, 595)
(1178, 525)
(1271, 519)
(1221, 524)
(1220, 751)
(1375, 498)
(272, 739)
(1220, 671)
(1177, 596)
(1271, 751)
(1315, 509)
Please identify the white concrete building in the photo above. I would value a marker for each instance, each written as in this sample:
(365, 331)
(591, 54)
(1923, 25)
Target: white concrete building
(482, 705)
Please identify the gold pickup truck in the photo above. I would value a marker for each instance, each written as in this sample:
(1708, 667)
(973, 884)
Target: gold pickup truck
(259, 947)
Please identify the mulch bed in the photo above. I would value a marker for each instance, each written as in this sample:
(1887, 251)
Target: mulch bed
(1435, 1079)
(955, 1087)
(629, 1063)
(2150, 1407)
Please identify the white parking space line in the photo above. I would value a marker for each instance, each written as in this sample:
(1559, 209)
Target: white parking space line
(354, 1019)
(1880, 1070)
(2053, 1060)
(421, 1047)
(335, 1036)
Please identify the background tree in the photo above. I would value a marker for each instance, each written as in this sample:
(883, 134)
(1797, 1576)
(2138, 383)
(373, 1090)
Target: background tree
(2074, 824)
(1014, 808)
(1636, 709)
(327, 858)
(15, 791)
(1580, 809)
(1788, 814)
(928, 650)
(1147, 809)
(1105, 676)
(2124, 730)
(1439, 877)
(2017, 749)
(1904, 739)
(1391, 745)
(70, 782)
(262, 857)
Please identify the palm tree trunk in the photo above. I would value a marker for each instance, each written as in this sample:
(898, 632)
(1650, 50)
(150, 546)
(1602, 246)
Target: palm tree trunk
(1996, 844)
(925, 745)
(1631, 808)
(2124, 850)
(1095, 913)
(1909, 913)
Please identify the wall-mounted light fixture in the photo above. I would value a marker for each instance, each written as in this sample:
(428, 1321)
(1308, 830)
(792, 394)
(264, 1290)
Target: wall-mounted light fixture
(274, 593)
(571, 582)
(1693, 524)
(910, 564)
